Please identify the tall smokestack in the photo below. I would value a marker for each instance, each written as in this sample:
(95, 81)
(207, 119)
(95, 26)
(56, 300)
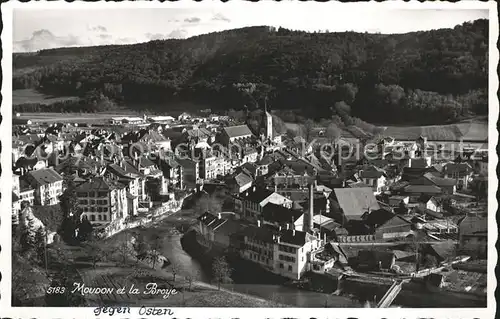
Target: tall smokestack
(311, 206)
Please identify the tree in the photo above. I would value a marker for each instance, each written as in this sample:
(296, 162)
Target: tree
(24, 280)
(28, 231)
(189, 279)
(141, 247)
(85, 230)
(41, 246)
(221, 271)
(333, 133)
(124, 249)
(308, 128)
(96, 252)
(156, 246)
(278, 125)
(291, 133)
(174, 268)
(71, 214)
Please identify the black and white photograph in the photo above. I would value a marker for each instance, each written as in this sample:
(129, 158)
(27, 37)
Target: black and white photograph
(252, 155)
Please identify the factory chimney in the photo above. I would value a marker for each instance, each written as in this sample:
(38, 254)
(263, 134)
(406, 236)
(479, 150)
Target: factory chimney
(311, 207)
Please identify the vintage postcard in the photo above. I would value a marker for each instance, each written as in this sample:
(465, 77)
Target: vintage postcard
(260, 160)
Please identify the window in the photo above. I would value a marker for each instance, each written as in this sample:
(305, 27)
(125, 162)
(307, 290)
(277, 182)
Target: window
(92, 202)
(100, 217)
(92, 217)
(289, 268)
(281, 266)
(105, 217)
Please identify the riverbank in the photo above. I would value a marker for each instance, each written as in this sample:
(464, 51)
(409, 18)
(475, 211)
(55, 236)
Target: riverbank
(251, 279)
(193, 291)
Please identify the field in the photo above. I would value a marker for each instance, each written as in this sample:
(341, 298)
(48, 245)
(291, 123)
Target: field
(70, 117)
(27, 96)
(451, 132)
(471, 131)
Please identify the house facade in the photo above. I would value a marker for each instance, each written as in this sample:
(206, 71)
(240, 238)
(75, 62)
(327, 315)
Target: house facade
(47, 184)
(102, 200)
(473, 236)
(293, 251)
(376, 179)
(461, 172)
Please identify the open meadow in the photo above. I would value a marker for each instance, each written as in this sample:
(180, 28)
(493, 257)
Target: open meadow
(28, 96)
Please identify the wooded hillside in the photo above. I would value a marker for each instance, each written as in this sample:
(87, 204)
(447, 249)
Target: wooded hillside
(423, 77)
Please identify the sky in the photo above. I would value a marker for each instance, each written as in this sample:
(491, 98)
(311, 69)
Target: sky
(36, 29)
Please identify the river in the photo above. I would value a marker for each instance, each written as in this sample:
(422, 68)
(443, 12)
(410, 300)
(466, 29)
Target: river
(287, 295)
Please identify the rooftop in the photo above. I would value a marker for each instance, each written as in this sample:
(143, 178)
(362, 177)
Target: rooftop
(237, 131)
(356, 201)
(45, 176)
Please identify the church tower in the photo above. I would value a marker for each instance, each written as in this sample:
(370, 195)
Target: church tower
(268, 122)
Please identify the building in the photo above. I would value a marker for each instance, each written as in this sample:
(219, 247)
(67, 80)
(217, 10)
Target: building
(133, 120)
(47, 184)
(172, 170)
(374, 177)
(429, 202)
(134, 181)
(184, 117)
(460, 172)
(353, 203)
(395, 227)
(255, 199)
(231, 134)
(26, 192)
(16, 205)
(473, 236)
(396, 200)
(294, 248)
(212, 166)
(269, 125)
(102, 200)
(190, 172)
(239, 182)
(420, 162)
(161, 119)
(219, 231)
(417, 190)
(482, 167)
(375, 260)
(286, 253)
(259, 246)
(284, 217)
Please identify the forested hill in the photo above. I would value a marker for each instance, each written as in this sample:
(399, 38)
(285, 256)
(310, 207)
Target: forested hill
(423, 77)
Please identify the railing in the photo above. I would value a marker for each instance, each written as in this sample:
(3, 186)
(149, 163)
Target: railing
(355, 239)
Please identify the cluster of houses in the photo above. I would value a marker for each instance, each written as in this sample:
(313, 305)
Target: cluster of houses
(294, 208)
(121, 170)
(298, 211)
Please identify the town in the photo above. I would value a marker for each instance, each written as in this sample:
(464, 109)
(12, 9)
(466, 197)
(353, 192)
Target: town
(390, 211)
